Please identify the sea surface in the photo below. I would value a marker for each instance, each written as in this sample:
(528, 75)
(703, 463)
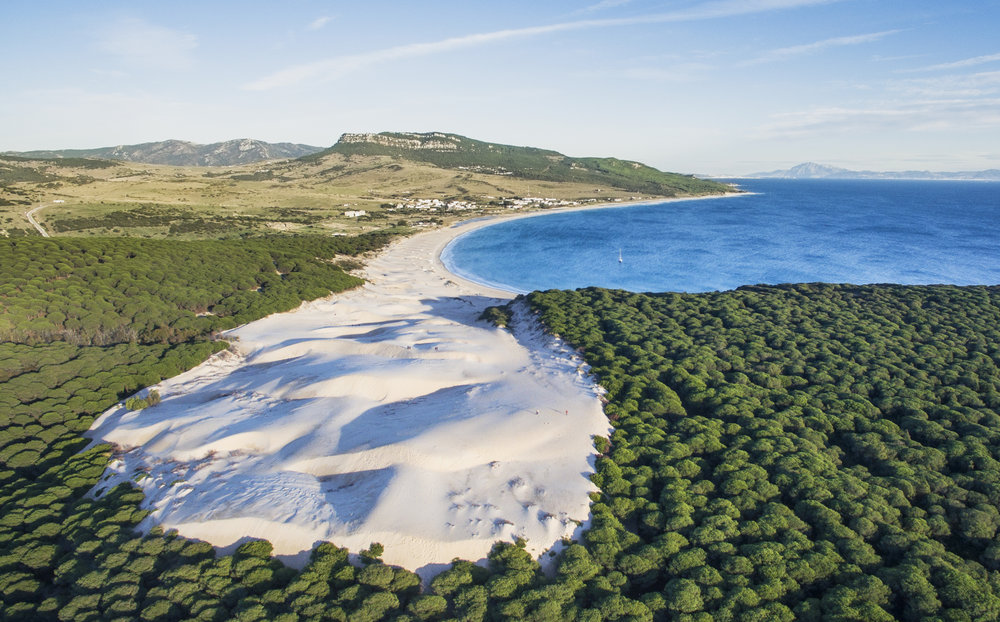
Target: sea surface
(787, 231)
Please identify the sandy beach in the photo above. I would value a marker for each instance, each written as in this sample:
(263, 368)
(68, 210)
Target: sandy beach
(386, 414)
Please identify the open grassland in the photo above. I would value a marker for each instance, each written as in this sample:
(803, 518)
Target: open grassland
(97, 198)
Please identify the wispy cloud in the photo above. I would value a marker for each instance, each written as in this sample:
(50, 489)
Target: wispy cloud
(781, 54)
(319, 22)
(913, 116)
(960, 102)
(137, 42)
(603, 5)
(338, 66)
(960, 64)
(983, 83)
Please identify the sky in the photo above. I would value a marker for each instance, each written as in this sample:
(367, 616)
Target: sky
(719, 87)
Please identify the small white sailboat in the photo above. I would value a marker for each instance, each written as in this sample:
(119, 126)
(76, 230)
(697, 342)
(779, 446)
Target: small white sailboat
(619, 255)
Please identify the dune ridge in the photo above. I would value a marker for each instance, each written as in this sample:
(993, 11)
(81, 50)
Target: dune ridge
(387, 414)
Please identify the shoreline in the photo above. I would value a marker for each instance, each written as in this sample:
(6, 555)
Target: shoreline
(465, 227)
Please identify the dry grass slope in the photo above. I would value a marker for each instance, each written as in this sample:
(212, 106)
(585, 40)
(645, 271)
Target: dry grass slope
(308, 195)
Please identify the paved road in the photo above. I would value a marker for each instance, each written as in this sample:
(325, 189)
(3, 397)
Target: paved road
(31, 218)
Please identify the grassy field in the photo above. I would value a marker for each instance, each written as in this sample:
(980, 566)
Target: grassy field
(311, 195)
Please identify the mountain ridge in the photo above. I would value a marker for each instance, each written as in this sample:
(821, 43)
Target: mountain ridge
(184, 153)
(812, 170)
(456, 152)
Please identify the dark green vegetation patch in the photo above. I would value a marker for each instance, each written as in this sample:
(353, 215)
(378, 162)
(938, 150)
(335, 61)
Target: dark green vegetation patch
(173, 221)
(809, 451)
(815, 452)
(61, 162)
(116, 290)
(458, 152)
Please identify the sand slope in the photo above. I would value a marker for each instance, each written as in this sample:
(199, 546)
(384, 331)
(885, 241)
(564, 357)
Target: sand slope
(386, 414)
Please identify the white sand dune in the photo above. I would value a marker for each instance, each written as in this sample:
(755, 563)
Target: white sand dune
(387, 414)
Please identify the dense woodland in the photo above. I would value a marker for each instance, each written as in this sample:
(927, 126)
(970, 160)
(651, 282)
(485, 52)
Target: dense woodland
(172, 221)
(796, 452)
(120, 290)
(811, 452)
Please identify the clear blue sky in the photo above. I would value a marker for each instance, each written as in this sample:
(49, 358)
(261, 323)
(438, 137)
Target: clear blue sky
(700, 86)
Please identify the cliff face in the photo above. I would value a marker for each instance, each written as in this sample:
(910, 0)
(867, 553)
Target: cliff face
(405, 140)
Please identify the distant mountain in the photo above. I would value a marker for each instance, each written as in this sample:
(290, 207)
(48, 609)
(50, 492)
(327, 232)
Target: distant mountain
(811, 170)
(451, 151)
(183, 153)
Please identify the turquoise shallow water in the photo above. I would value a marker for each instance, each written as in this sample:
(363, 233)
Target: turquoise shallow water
(863, 231)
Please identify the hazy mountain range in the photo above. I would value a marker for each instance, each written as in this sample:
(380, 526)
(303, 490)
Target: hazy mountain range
(811, 170)
(184, 153)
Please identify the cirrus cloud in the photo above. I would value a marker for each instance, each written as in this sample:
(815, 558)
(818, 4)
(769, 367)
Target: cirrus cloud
(338, 66)
(138, 42)
(781, 54)
(319, 22)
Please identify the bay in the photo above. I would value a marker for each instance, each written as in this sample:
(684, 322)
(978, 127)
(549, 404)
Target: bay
(782, 231)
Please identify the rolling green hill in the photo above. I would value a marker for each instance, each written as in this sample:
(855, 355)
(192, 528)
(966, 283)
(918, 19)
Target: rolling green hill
(452, 151)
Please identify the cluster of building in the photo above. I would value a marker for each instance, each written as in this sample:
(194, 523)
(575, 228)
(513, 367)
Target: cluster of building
(433, 205)
(536, 202)
(489, 170)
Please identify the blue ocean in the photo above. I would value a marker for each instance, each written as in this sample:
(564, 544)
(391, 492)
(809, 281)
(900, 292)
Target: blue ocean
(782, 231)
